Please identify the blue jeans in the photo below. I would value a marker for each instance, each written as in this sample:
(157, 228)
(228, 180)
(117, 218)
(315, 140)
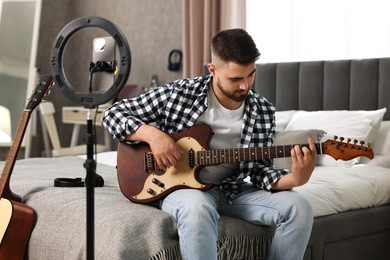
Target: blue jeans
(197, 213)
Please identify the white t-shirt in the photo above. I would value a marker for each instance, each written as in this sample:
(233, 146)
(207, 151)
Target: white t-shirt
(227, 126)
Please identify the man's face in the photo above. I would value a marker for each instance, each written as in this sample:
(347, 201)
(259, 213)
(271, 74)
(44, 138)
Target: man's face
(232, 82)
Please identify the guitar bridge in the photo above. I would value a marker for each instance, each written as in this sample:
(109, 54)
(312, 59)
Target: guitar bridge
(149, 163)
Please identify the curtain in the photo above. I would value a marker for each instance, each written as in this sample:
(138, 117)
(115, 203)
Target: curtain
(202, 19)
(299, 30)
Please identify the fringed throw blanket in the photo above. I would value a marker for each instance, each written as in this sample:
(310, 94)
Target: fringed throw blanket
(123, 230)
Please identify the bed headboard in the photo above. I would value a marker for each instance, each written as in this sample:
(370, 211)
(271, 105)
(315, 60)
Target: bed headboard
(326, 85)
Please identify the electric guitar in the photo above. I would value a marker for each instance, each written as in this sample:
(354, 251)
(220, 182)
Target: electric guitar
(17, 219)
(141, 180)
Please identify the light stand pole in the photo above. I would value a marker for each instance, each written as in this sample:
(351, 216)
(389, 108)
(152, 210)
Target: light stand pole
(90, 166)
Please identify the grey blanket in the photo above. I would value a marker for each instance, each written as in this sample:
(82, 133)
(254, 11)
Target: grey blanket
(123, 230)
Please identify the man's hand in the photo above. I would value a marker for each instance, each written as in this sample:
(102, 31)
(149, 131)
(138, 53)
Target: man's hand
(303, 163)
(165, 150)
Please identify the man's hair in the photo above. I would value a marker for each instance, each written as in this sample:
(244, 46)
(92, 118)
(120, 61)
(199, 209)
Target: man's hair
(234, 45)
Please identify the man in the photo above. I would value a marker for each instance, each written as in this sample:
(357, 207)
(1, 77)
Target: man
(239, 117)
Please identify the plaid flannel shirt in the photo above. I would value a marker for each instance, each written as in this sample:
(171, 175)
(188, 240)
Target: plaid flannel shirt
(177, 105)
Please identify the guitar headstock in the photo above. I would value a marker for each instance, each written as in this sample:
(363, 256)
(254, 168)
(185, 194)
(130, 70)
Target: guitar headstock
(40, 91)
(347, 150)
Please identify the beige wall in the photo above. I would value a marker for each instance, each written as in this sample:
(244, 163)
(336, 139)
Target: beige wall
(152, 28)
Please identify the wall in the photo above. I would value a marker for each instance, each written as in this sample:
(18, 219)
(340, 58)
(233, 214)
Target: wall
(151, 27)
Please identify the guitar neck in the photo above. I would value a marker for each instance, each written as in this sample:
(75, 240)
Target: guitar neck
(219, 156)
(39, 92)
(12, 153)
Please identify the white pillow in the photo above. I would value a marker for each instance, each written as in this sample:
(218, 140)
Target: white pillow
(293, 137)
(282, 118)
(381, 144)
(381, 147)
(358, 124)
(378, 160)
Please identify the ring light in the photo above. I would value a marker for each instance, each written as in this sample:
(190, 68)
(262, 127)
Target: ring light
(90, 99)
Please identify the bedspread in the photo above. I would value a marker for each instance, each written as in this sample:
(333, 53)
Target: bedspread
(123, 230)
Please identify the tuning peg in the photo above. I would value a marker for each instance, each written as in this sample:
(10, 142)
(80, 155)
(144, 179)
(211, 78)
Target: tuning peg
(335, 137)
(361, 145)
(349, 142)
(345, 144)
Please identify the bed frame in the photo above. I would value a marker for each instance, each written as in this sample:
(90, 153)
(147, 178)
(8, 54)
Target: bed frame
(326, 85)
(336, 85)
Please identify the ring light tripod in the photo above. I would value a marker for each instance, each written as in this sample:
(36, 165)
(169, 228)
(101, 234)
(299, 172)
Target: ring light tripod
(90, 99)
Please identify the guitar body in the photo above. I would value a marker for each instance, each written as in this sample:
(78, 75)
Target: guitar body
(8, 194)
(142, 182)
(16, 224)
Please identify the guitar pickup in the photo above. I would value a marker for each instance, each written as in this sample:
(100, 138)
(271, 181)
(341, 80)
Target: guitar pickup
(149, 163)
(191, 158)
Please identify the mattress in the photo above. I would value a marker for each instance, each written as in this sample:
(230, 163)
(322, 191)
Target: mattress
(331, 189)
(337, 189)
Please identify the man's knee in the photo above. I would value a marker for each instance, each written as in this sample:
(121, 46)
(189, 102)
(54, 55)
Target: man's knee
(191, 204)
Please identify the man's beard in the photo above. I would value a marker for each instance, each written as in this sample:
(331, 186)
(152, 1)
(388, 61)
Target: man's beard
(237, 96)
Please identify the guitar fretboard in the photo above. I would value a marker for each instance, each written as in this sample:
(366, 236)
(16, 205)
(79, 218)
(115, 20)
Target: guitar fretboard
(219, 156)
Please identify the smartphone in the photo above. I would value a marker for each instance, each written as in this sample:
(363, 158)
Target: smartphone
(104, 49)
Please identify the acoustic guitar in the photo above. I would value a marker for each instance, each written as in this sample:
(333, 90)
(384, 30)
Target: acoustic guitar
(141, 180)
(17, 219)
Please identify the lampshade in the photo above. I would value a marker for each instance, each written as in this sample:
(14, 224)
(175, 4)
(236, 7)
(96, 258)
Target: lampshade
(5, 125)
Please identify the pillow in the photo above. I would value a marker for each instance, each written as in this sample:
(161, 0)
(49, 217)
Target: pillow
(358, 124)
(381, 147)
(282, 118)
(378, 160)
(381, 144)
(294, 137)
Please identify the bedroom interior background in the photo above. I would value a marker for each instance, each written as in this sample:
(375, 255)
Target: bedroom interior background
(153, 34)
(137, 16)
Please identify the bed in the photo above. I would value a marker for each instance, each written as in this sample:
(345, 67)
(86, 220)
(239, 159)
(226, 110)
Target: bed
(351, 199)
(352, 85)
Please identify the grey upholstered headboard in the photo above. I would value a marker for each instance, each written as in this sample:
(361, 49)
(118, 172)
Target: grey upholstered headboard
(326, 85)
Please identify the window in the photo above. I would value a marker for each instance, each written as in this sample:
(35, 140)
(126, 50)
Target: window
(299, 30)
